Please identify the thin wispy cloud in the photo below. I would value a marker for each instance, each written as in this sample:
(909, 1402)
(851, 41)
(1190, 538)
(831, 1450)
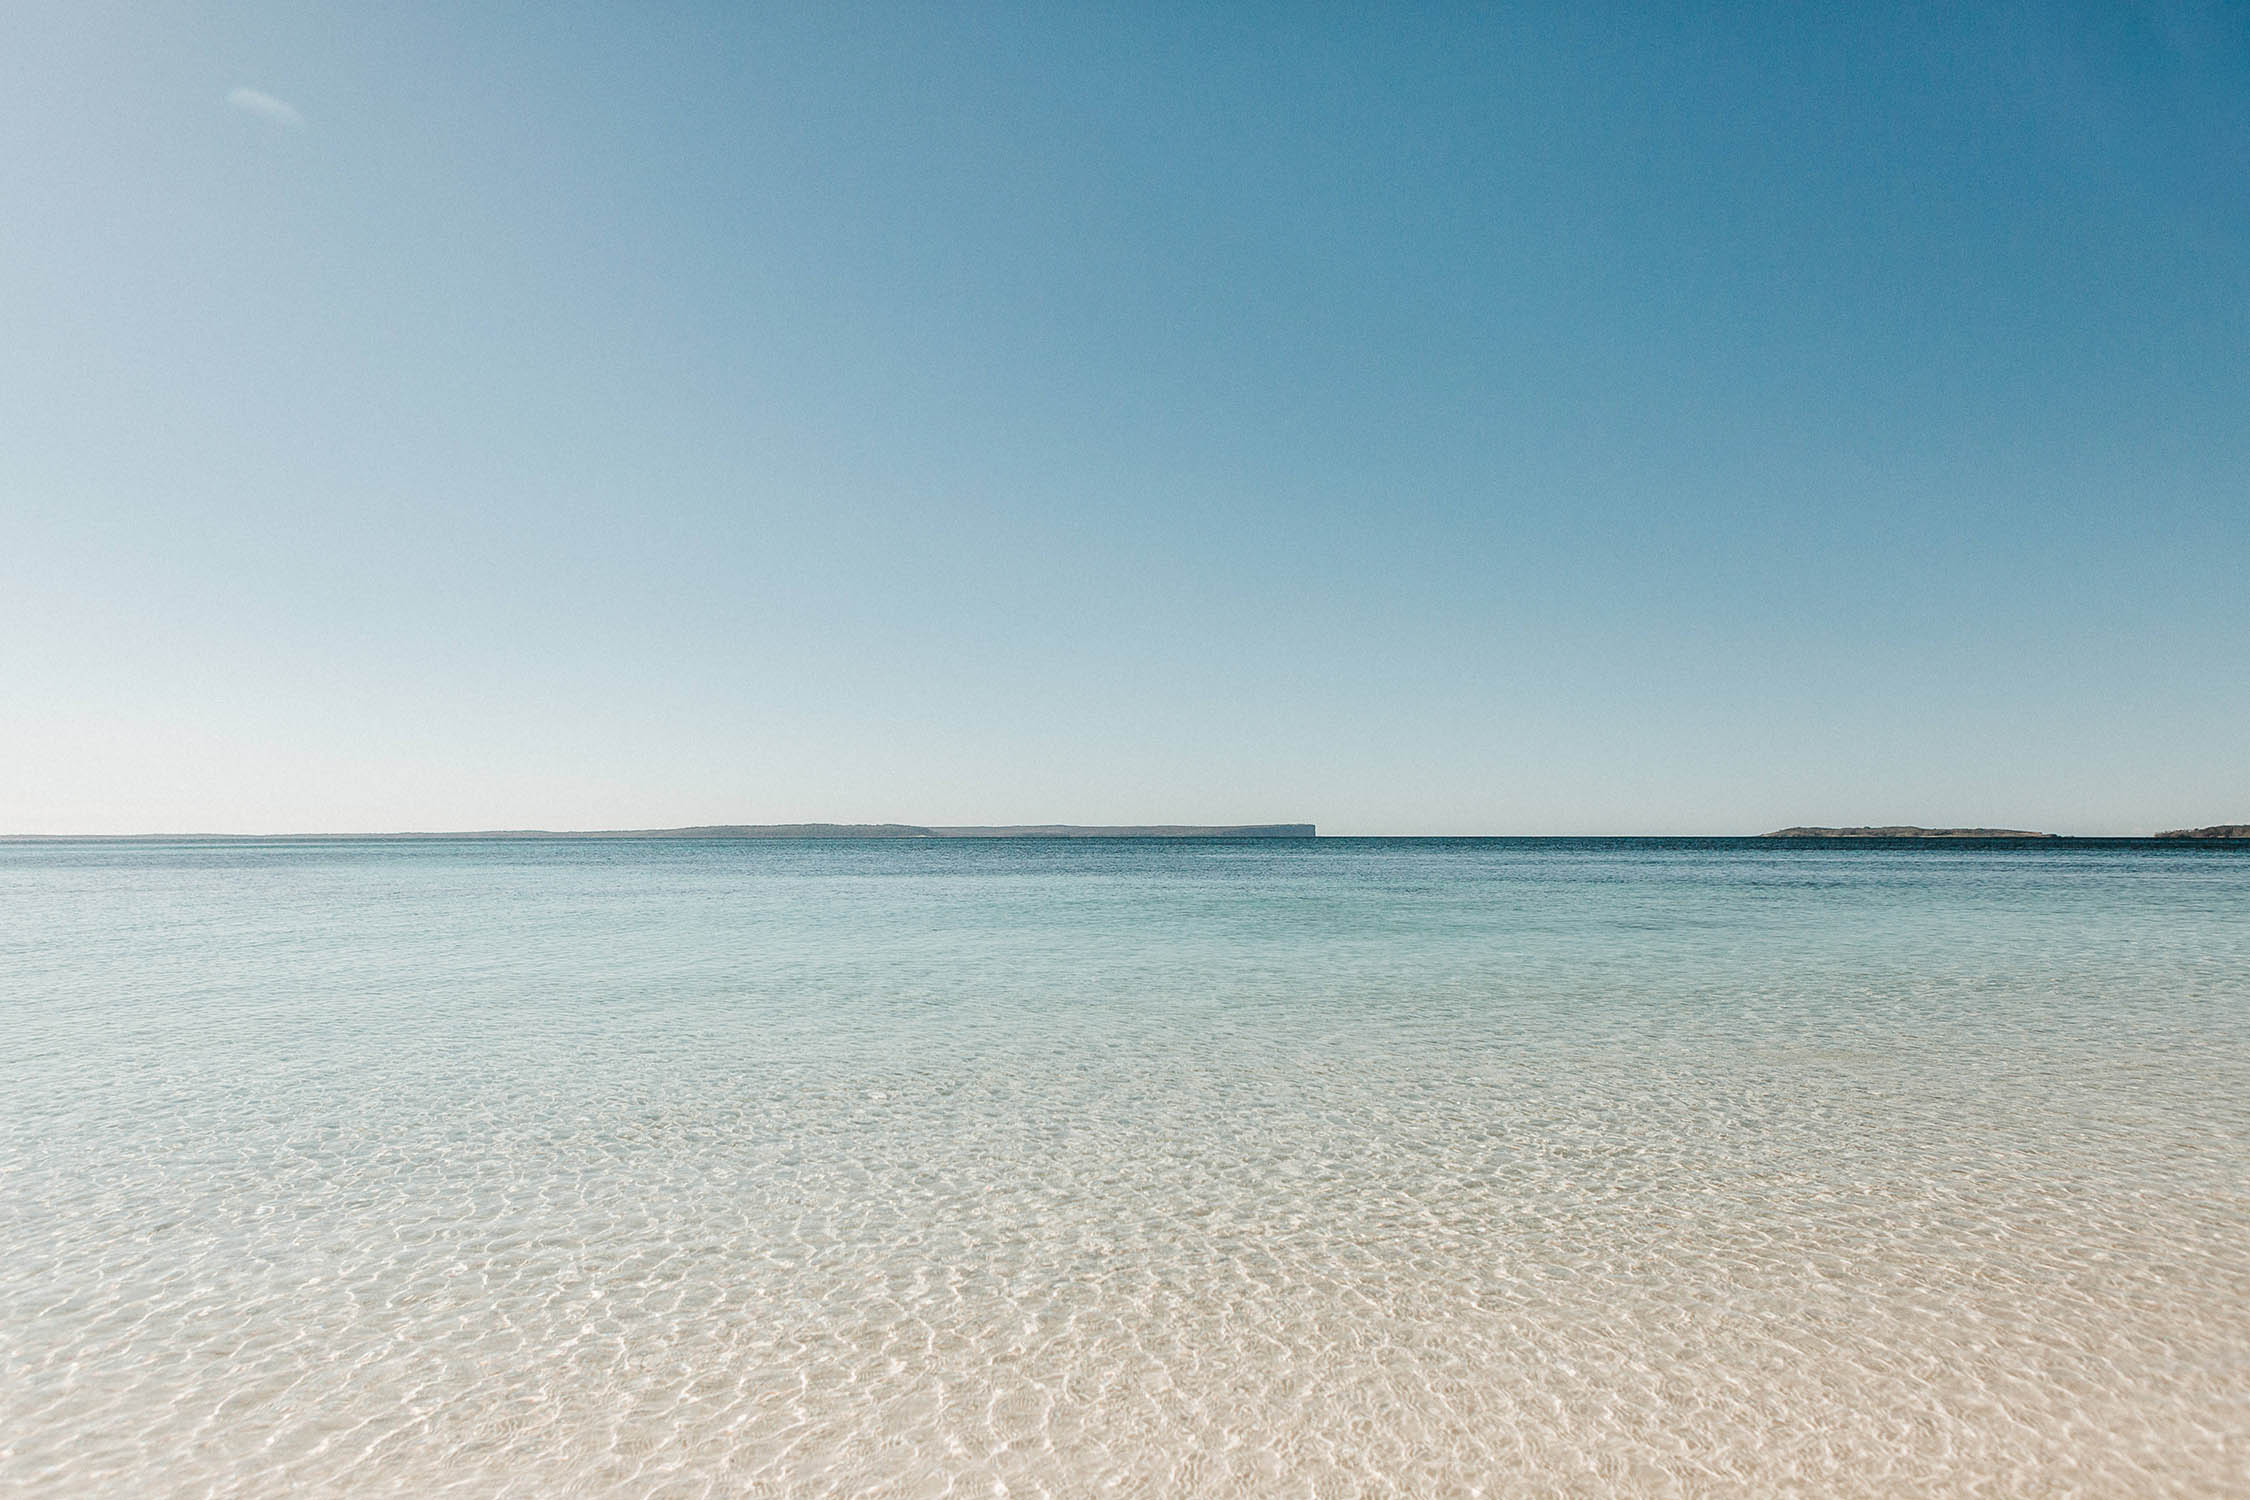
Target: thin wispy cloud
(266, 107)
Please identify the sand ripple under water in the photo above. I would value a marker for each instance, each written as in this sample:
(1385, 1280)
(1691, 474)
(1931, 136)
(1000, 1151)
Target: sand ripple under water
(598, 1190)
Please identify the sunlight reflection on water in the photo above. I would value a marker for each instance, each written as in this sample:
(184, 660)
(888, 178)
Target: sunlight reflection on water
(1349, 1168)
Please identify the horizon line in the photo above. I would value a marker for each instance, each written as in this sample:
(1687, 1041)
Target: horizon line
(910, 832)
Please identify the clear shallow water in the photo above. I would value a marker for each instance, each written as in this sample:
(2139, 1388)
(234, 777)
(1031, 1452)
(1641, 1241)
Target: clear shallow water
(1350, 1168)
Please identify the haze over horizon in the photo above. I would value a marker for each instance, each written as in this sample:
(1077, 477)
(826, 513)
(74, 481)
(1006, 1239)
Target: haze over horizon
(1555, 421)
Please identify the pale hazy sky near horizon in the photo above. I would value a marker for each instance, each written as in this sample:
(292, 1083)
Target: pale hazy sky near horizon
(1533, 419)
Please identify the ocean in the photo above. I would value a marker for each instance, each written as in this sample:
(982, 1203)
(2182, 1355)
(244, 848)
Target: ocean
(1167, 1168)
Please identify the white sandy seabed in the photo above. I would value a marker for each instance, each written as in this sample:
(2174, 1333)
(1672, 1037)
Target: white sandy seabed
(406, 1177)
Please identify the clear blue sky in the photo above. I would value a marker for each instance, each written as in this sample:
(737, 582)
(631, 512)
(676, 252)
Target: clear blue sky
(1454, 419)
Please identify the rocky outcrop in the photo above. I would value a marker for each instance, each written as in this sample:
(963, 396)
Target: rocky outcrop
(2215, 831)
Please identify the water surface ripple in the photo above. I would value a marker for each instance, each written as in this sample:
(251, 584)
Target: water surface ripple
(1351, 1168)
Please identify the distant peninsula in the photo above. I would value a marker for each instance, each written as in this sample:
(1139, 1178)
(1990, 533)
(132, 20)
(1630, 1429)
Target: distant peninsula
(777, 831)
(994, 831)
(2215, 831)
(1912, 833)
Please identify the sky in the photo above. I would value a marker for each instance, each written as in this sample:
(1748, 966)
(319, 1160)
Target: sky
(1409, 419)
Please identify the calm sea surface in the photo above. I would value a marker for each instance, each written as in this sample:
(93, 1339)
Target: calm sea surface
(1357, 1167)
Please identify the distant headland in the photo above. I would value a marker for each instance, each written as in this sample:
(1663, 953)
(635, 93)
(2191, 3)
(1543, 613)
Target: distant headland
(2215, 831)
(782, 831)
(995, 831)
(1907, 833)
